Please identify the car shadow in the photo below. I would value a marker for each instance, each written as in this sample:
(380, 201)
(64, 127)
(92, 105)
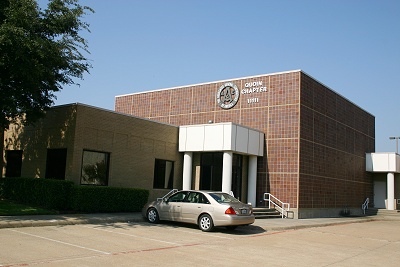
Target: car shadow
(240, 230)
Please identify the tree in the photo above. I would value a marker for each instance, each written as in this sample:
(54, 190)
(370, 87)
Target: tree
(40, 52)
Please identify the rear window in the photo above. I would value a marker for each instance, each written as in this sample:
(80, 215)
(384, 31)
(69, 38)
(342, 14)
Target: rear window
(223, 198)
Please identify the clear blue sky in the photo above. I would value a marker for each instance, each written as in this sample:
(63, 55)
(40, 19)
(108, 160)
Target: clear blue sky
(352, 46)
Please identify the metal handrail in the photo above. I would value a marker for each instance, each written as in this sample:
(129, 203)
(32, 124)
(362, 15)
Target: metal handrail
(282, 207)
(364, 206)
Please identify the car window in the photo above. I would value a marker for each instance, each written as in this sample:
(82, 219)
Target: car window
(178, 197)
(203, 199)
(223, 198)
(196, 197)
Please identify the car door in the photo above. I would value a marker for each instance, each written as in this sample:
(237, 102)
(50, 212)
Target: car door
(172, 207)
(193, 206)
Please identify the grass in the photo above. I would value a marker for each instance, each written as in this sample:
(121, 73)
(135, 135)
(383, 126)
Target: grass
(9, 208)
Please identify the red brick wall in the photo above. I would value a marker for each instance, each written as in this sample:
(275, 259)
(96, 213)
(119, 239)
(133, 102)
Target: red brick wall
(315, 140)
(335, 134)
(276, 114)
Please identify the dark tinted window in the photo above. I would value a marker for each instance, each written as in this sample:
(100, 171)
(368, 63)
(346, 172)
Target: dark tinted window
(56, 163)
(195, 197)
(95, 168)
(14, 163)
(163, 174)
(178, 197)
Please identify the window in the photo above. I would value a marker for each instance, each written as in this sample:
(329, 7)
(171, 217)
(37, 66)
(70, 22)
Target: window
(14, 163)
(195, 197)
(163, 174)
(95, 167)
(178, 197)
(56, 163)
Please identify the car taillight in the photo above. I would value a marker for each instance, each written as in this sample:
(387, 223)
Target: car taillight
(230, 211)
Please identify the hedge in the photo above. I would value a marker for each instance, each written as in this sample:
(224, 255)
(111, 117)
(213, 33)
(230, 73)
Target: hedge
(64, 195)
(108, 199)
(47, 193)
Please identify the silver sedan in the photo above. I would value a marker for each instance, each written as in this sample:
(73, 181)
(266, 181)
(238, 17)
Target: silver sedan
(207, 209)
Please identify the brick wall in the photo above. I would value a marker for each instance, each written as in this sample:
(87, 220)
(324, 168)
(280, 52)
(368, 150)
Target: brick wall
(335, 134)
(276, 113)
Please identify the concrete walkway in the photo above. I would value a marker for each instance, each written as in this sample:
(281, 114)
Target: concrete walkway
(101, 218)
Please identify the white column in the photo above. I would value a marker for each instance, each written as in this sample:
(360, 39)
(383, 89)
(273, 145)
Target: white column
(187, 171)
(227, 172)
(252, 181)
(390, 191)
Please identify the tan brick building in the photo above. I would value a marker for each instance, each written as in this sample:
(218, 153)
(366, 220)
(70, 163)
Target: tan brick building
(89, 145)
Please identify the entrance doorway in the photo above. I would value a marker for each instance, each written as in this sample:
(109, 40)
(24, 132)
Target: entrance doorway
(379, 194)
(211, 171)
(237, 176)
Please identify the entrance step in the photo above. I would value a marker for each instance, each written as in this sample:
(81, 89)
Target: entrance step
(266, 213)
(382, 212)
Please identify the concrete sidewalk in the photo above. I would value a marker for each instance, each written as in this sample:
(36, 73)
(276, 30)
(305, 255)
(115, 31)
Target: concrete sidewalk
(102, 218)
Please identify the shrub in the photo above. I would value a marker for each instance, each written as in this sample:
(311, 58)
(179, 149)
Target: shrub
(48, 193)
(64, 195)
(108, 199)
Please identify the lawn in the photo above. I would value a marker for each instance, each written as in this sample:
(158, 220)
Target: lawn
(9, 208)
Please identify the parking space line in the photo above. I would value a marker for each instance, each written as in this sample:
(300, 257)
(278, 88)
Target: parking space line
(151, 239)
(61, 242)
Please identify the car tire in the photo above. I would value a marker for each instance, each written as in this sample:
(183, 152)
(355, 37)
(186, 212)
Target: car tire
(152, 215)
(206, 223)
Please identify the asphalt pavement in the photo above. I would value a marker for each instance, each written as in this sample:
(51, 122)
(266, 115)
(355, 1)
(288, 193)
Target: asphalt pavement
(275, 224)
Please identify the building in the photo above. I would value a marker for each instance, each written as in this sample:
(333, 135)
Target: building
(315, 140)
(93, 146)
(282, 133)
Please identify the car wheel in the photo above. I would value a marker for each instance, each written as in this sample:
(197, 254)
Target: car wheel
(206, 223)
(152, 215)
(231, 227)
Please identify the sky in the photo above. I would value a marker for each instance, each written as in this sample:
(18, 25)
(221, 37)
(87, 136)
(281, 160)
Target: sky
(351, 46)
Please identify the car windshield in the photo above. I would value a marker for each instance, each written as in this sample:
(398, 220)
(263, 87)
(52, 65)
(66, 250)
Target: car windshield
(223, 198)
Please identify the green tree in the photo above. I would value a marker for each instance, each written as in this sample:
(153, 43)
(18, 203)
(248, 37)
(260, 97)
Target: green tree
(40, 52)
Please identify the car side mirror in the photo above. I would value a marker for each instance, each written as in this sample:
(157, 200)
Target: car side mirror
(165, 199)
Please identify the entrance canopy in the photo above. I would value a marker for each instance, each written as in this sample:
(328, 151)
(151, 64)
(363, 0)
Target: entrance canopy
(387, 163)
(383, 162)
(221, 137)
(228, 138)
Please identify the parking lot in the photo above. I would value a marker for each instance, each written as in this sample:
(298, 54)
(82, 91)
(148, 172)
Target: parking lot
(370, 243)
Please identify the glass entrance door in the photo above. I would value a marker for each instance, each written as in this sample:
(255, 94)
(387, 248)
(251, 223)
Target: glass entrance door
(211, 171)
(237, 175)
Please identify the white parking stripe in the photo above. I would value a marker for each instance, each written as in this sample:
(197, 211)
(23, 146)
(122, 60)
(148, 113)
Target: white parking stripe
(61, 242)
(151, 239)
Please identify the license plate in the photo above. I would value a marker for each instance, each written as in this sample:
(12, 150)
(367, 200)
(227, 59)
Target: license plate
(244, 212)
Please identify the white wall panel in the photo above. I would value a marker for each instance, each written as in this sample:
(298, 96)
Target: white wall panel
(221, 137)
(242, 139)
(253, 143)
(229, 137)
(182, 139)
(195, 138)
(383, 162)
(213, 137)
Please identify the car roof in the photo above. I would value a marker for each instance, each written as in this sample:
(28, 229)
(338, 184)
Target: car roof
(202, 191)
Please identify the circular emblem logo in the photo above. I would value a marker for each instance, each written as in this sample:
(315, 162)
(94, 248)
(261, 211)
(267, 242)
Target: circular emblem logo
(227, 95)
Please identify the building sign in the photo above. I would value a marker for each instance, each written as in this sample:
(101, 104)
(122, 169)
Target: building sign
(227, 95)
(251, 89)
